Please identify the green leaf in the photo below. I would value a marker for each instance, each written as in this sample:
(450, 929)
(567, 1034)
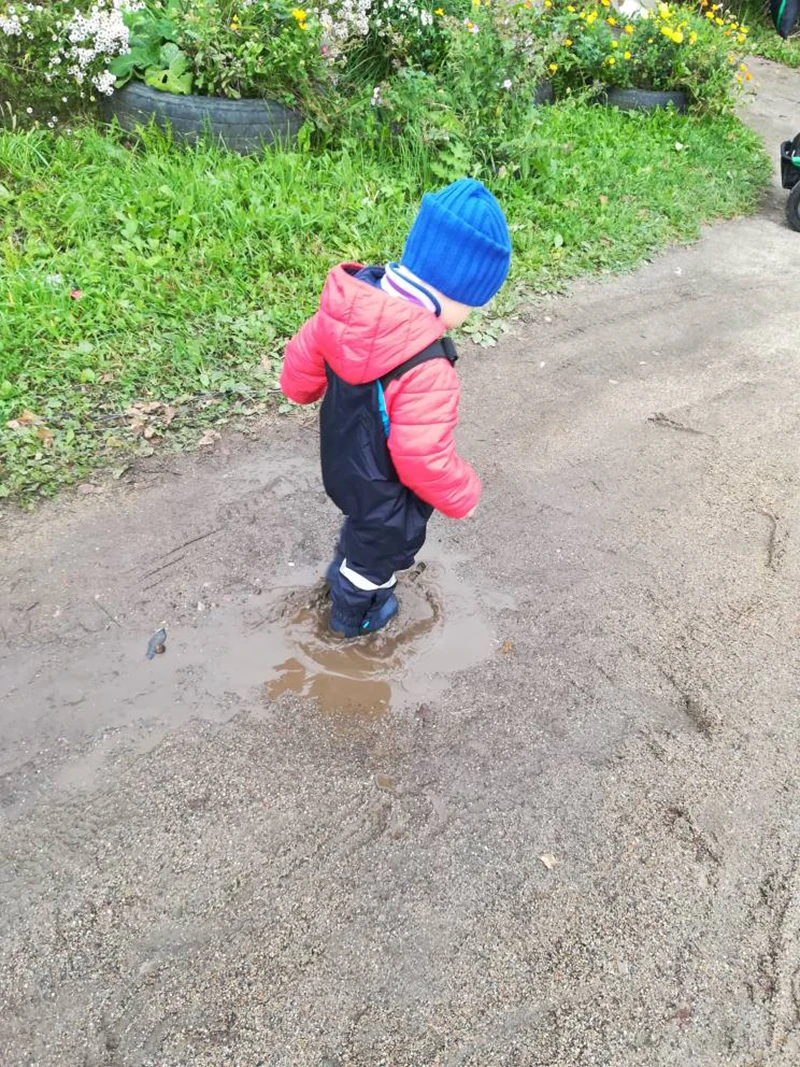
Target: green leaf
(169, 82)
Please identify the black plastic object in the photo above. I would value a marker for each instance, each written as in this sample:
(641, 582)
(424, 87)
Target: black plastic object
(644, 99)
(242, 126)
(793, 208)
(785, 14)
(790, 163)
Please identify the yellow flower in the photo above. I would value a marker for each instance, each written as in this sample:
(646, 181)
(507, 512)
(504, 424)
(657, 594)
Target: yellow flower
(299, 15)
(611, 21)
(710, 15)
(615, 44)
(606, 3)
(743, 68)
(741, 38)
(553, 68)
(568, 43)
(629, 28)
(591, 18)
(611, 61)
(303, 25)
(628, 55)
(692, 38)
(548, 3)
(439, 11)
(677, 37)
(571, 9)
(719, 21)
(748, 77)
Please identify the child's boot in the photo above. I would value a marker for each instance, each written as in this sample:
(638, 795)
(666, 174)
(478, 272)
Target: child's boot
(356, 612)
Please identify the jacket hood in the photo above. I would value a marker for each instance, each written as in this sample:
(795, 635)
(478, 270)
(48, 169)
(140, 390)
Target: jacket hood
(363, 332)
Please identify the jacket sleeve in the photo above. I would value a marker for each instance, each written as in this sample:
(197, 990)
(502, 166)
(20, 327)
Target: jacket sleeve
(423, 413)
(303, 375)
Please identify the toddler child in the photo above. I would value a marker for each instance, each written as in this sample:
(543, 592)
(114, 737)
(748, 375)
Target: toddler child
(376, 349)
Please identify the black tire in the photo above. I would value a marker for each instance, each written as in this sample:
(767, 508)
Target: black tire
(793, 208)
(242, 126)
(644, 99)
(544, 93)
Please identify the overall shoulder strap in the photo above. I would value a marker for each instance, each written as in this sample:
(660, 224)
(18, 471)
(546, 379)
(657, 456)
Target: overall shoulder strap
(441, 349)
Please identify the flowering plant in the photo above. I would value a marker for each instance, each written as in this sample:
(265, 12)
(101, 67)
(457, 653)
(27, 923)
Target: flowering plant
(59, 49)
(373, 38)
(672, 48)
(229, 48)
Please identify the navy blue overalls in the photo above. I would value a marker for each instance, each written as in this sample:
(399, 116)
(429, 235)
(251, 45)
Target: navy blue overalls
(385, 522)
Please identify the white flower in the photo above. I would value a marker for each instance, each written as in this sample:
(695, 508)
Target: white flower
(507, 83)
(11, 27)
(104, 83)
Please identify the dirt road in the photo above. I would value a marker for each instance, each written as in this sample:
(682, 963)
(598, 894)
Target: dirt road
(558, 824)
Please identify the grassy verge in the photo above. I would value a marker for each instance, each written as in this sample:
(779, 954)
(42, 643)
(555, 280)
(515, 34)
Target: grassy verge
(164, 277)
(765, 42)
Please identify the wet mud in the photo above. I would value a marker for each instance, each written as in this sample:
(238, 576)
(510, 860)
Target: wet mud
(439, 630)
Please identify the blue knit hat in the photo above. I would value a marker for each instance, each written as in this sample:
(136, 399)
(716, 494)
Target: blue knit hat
(459, 243)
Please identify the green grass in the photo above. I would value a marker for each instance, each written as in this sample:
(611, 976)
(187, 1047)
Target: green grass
(195, 266)
(763, 40)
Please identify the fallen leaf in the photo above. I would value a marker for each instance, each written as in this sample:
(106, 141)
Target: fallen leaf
(45, 436)
(169, 414)
(27, 418)
(603, 199)
(506, 647)
(149, 432)
(549, 860)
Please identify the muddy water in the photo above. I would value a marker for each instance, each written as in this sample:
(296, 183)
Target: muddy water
(261, 645)
(439, 630)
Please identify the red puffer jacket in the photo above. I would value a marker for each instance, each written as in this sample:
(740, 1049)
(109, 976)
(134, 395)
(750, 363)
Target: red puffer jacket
(363, 333)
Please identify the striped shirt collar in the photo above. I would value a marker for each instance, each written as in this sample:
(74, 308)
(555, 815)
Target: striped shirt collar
(397, 282)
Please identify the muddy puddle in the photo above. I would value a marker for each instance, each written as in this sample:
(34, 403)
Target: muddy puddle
(266, 643)
(439, 630)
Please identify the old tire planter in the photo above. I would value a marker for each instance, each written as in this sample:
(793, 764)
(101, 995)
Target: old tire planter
(644, 99)
(242, 126)
(544, 93)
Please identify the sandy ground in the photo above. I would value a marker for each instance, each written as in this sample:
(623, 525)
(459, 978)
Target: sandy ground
(601, 669)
